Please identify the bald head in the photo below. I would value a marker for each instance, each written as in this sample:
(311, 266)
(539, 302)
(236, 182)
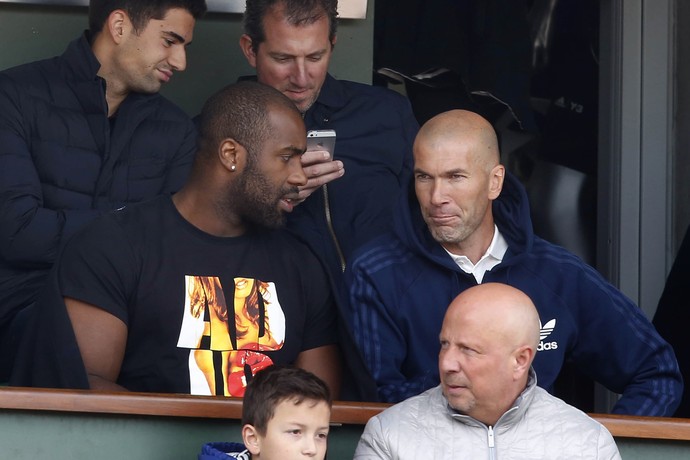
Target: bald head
(461, 127)
(488, 341)
(506, 314)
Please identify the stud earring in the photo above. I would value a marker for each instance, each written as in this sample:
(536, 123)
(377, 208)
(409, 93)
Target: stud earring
(233, 167)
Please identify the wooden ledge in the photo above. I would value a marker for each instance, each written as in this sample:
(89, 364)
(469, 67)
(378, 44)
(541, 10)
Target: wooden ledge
(175, 405)
(625, 426)
(156, 404)
(344, 412)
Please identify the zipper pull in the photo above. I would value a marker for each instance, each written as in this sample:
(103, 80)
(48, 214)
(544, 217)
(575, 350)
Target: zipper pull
(490, 436)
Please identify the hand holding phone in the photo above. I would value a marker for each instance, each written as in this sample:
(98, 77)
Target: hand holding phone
(319, 169)
(321, 139)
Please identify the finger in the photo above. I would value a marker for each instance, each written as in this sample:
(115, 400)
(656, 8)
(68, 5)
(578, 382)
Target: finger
(316, 182)
(323, 169)
(314, 157)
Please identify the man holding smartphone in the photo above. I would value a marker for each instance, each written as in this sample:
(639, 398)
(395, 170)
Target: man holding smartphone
(290, 43)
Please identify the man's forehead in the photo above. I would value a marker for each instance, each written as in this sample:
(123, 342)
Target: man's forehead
(277, 24)
(444, 161)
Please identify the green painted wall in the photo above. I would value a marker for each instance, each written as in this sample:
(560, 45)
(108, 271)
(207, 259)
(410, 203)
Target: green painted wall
(31, 32)
(70, 436)
(26, 435)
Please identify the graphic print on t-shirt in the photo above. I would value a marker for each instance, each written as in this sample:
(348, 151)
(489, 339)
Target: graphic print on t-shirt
(225, 352)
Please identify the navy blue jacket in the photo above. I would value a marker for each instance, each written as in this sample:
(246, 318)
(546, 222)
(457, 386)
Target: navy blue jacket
(216, 450)
(402, 283)
(63, 162)
(375, 129)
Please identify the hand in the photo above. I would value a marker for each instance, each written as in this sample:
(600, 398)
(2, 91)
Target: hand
(320, 170)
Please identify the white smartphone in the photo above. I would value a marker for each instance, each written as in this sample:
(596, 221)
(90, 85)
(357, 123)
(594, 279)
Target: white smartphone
(321, 139)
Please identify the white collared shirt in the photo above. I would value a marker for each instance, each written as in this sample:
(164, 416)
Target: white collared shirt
(492, 257)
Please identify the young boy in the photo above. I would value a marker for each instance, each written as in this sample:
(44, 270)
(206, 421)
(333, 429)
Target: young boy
(285, 416)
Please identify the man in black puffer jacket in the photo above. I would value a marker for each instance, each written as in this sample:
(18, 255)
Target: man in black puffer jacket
(85, 133)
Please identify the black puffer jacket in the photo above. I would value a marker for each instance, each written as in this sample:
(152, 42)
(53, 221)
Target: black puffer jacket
(63, 162)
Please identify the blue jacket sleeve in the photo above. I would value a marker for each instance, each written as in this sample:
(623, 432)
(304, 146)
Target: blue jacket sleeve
(381, 341)
(30, 234)
(618, 347)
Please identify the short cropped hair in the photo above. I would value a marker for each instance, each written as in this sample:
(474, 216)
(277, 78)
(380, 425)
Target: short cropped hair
(140, 12)
(275, 384)
(298, 12)
(239, 111)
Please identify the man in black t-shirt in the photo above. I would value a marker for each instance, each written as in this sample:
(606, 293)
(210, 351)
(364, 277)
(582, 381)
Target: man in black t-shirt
(196, 292)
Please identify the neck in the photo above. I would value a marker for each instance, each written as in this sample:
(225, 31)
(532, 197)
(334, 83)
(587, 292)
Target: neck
(476, 245)
(115, 91)
(113, 98)
(492, 416)
(206, 214)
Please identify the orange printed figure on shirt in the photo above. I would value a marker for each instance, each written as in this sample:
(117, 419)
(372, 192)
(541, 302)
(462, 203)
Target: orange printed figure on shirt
(226, 350)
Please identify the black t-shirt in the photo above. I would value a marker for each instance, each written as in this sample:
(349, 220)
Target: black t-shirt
(176, 287)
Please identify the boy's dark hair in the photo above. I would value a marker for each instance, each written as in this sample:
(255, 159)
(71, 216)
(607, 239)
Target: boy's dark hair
(239, 111)
(298, 12)
(276, 384)
(140, 11)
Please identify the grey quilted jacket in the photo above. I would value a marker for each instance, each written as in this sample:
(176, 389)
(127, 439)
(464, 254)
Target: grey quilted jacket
(538, 426)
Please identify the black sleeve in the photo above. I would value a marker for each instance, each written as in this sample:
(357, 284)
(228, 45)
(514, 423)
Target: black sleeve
(99, 267)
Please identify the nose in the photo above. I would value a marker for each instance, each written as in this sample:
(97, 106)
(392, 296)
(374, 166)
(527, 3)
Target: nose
(297, 176)
(447, 362)
(438, 193)
(178, 58)
(299, 73)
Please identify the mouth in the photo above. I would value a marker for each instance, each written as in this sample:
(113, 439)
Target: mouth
(166, 74)
(455, 390)
(297, 94)
(286, 204)
(440, 220)
(297, 89)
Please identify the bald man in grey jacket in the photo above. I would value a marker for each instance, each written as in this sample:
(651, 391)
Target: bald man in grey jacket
(488, 404)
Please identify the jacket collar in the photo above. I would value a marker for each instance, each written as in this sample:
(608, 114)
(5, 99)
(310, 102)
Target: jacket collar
(332, 94)
(332, 99)
(82, 64)
(81, 70)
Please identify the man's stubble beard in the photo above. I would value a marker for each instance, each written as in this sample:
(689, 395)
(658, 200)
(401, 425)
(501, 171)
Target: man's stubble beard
(253, 198)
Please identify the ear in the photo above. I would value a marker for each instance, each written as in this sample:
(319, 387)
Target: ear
(335, 39)
(523, 359)
(248, 50)
(251, 440)
(117, 25)
(232, 155)
(496, 178)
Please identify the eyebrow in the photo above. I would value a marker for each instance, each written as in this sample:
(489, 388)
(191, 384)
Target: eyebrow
(179, 38)
(443, 173)
(304, 426)
(292, 151)
(281, 54)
